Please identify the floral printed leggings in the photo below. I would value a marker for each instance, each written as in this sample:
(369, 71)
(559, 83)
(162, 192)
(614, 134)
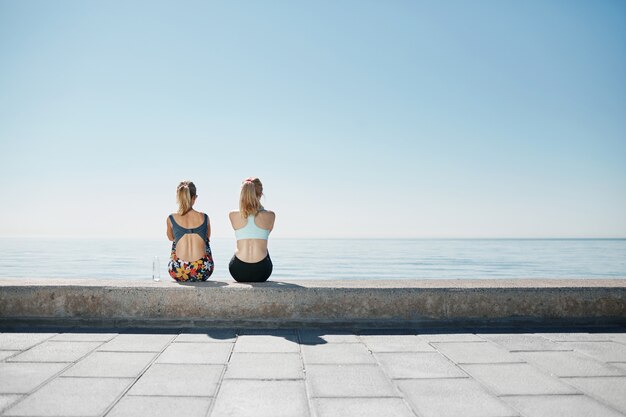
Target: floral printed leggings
(184, 271)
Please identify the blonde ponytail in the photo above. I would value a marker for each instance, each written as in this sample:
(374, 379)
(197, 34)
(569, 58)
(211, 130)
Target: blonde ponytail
(249, 200)
(185, 192)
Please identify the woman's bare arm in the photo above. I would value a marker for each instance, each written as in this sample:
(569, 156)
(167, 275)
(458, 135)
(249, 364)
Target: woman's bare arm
(170, 232)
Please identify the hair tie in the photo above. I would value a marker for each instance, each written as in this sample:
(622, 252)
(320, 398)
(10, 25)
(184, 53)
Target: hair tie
(249, 180)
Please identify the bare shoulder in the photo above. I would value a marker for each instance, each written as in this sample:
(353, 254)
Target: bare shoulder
(235, 218)
(266, 219)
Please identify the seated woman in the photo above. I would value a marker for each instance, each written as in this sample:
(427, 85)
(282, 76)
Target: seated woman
(252, 224)
(189, 231)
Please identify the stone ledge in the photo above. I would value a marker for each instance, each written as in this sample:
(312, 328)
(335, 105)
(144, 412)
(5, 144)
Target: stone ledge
(309, 302)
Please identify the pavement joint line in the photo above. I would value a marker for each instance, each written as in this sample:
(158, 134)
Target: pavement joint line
(456, 365)
(169, 396)
(95, 377)
(544, 350)
(600, 400)
(307, 393)
(265, 379)
(39, 361)
(191, 363)
(343, 364)
(130, 351)
(592, 376)
(432, 377)
(351, 397)
(493, 363)
(8, 406)
(17, 352)
(403, 351)
(571, 394)
(389, 378)
(222, 374)
(136, 378)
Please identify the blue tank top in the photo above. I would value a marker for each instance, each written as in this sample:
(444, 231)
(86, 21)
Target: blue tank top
(180, 231)
(251, 231)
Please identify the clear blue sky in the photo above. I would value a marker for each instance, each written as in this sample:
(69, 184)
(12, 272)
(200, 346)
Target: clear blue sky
(362, 118)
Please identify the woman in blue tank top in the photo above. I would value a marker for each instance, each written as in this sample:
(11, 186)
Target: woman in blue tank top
(189, 231)
(252, 224)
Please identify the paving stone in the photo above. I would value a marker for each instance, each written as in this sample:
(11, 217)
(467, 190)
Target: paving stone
(419, 365)
(112, 364)
(609, 390)
(516, 379)
(178, 380)
(560, 405)
(348, 381)
(244, 365)
(386, 332)
(604, 351)
(133, 406)
(4, 354)
(192, 352)
(337, 353)
(361, 407)
(208, 336)
(617, 337)
(320, 337)
(18, 378)
(268, 332)
(569, 364)
(138, 343)
(396, 343)
(523, 342)
(241, 398)
(83, 337)
(621, 365)
(474, 352)
(56, 352)
(575, 337)
(265, 343)
(72, 397)
(450, 337)
(455, 397)
(22, 341)
(7, 399)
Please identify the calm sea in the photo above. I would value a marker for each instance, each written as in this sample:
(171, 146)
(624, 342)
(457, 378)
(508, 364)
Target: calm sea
(329, 258)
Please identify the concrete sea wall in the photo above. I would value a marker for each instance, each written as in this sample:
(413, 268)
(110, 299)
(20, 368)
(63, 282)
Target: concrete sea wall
(311, 303)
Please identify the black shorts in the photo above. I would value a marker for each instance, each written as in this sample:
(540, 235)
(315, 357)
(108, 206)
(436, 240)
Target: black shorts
(250, 272)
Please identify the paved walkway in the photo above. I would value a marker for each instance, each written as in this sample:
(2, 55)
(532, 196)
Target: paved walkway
(227, 372)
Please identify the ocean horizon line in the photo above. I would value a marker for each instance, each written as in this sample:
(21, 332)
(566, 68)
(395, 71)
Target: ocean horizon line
(153, 238)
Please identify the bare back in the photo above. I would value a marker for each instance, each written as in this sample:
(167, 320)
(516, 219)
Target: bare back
(252, 250)
(191, 246)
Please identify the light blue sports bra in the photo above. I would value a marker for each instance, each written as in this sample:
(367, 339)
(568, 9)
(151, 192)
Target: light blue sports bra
(251, 231)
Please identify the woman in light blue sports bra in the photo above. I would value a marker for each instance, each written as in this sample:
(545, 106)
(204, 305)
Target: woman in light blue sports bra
(252, 224)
